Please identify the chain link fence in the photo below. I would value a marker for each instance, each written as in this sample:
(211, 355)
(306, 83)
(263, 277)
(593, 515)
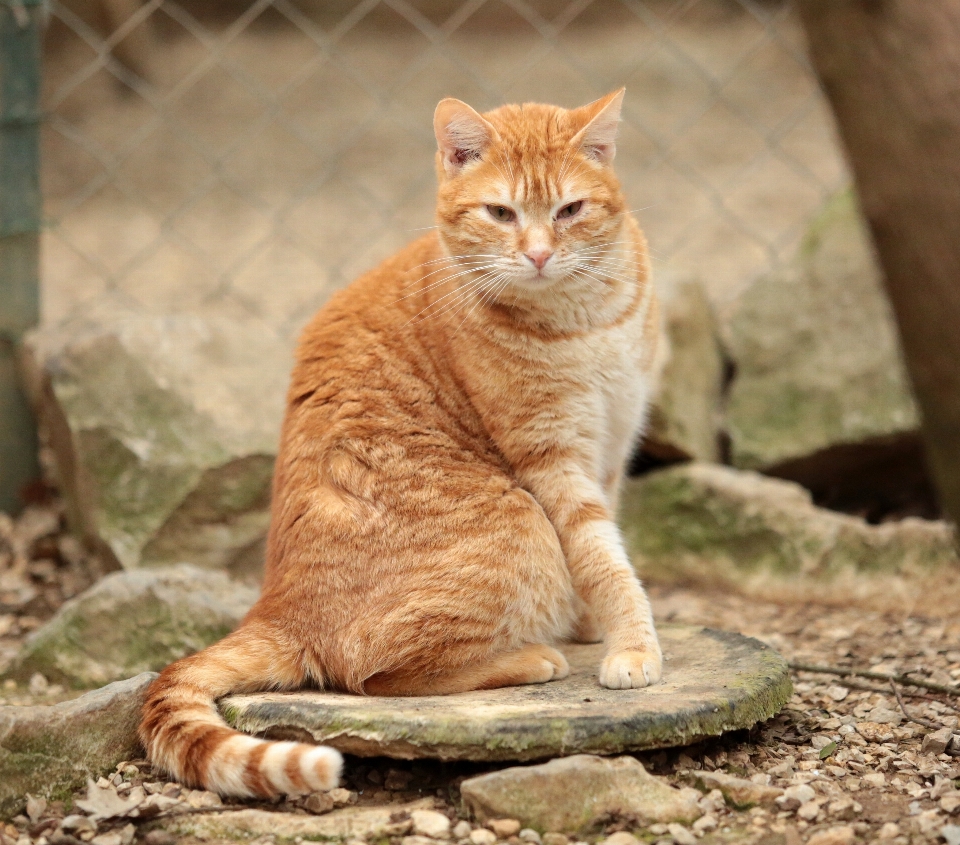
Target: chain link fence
(249, 158)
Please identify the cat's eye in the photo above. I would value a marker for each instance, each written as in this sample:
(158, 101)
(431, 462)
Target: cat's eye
(569, 210)
(501, 213)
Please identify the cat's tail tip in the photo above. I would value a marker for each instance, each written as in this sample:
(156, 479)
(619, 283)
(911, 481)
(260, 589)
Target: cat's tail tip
(268, 769)
(186, 736)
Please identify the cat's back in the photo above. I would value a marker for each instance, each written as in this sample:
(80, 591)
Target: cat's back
(374, 307)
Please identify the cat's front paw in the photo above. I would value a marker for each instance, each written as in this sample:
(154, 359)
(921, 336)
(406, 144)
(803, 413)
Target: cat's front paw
(630, 669)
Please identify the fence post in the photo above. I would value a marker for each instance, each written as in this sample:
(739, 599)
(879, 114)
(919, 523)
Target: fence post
(20, 212)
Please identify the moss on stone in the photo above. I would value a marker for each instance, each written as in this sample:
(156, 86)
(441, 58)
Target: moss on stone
(714, 683)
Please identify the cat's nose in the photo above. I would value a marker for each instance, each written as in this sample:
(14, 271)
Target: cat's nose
(539, 257)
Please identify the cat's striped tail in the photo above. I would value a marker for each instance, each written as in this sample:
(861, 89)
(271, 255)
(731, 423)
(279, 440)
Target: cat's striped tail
(184, 734)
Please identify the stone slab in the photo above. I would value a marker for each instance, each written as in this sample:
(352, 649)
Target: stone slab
(713, 682)
(50, 750)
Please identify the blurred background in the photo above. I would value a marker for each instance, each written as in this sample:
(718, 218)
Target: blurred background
(184, 182)
(246, 158)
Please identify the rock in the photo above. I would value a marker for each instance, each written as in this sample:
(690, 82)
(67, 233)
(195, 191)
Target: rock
(482, 836)
(430, 823)
(554, 838)
(795, 796)
(342, 796)
(164, 432)
(705, 824)
(461, 830)
(681, 835)
(884, 716)
(504, 828)
(833, 836)
(621, 838)
(131, 622)
(369, 823)
(530, 835)
(739, 792)
(936, 742)
(874, 731)
(703, 521)
(950, 803)
(951, 834)
(685, 416)
(50, 750)
(318, 803)
(574, 793)
(819, 372)
(713, 682)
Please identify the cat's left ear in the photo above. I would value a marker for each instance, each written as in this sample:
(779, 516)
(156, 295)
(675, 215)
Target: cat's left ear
(598, 138)
(462, 134)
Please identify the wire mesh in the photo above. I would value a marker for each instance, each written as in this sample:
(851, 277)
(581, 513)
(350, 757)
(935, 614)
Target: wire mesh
(249, 158)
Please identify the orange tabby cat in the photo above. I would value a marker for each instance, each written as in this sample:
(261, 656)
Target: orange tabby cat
(457, 425)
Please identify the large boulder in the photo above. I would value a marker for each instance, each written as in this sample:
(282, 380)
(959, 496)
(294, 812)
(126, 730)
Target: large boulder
(820, 388)
(577, 793)
(711, 523)
(685, 416)
(50, 750)
(132, 622)
(164, 432)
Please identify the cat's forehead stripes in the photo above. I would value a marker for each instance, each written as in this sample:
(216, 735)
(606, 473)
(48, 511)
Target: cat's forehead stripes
(533, 152)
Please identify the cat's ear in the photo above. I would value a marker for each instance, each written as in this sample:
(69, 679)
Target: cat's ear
(462, 134)
(598, 138)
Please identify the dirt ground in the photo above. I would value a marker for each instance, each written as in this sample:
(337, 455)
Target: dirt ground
(272, 157)
(849, 739)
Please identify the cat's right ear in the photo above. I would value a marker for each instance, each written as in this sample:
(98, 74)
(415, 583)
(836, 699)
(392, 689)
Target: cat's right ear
(462, 134)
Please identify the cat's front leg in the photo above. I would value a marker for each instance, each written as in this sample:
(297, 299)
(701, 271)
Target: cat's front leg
(602, 575)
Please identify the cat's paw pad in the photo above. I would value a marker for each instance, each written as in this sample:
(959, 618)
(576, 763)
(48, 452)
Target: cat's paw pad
(630, 669)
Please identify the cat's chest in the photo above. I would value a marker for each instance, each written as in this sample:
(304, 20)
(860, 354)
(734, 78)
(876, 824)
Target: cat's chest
(613, 375)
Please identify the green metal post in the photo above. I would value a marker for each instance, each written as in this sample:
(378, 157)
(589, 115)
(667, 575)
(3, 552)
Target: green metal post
(19, 236)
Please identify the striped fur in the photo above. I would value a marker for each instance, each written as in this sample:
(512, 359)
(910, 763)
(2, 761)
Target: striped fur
(458, 420)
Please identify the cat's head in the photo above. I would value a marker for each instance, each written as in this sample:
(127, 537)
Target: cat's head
(527, 193)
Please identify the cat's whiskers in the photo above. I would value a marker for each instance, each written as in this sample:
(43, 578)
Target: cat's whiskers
(459, 285)
(485, 296)
(459, 293)
(474, 269)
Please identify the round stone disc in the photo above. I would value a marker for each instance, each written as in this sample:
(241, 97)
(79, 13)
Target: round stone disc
(713, 682)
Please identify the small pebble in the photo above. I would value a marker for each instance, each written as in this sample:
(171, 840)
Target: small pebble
(200, 798)
(430, 823)
(504, 828)
(705, 823)
(318, 803)
(343, 796)
(890, 830)
(417, 840)
(681, 835)
(482, 836)
(397, 780)
(833, 836)
(530, 835)
(461, 830)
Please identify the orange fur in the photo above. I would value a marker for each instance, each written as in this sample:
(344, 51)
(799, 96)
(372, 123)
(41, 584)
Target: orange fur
(446, 485)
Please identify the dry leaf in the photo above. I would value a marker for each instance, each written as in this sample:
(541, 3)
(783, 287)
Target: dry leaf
(106, 804)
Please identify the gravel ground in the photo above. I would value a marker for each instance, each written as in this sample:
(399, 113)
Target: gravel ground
(855, 764)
